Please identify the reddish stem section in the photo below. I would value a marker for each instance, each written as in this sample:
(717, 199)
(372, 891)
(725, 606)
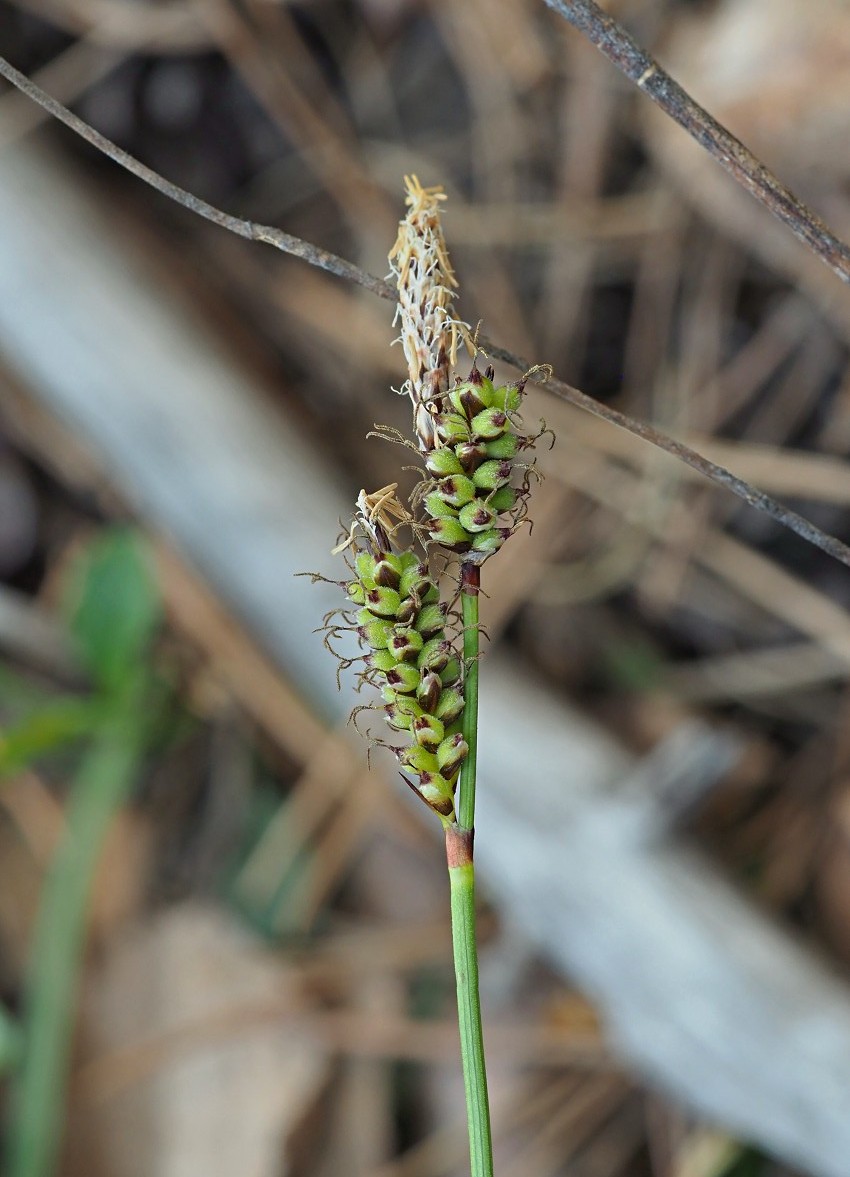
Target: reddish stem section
(470, 579)
(459, 846)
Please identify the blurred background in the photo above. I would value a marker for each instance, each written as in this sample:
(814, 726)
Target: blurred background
(264, 983)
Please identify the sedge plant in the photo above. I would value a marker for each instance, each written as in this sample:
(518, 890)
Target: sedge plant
(476, 471)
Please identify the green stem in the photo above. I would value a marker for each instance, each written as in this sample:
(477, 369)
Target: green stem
(100, 787)
(459, 840)
(462, 882)
(10, 1041)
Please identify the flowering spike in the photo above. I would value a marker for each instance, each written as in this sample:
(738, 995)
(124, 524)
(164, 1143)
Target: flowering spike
(426, 284)
(473, 496)
(402, 625)
(473, 513)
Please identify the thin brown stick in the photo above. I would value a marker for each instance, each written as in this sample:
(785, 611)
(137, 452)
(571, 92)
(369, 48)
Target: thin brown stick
(332, 264)
(249, 229)
(611, 39)
(719, 474)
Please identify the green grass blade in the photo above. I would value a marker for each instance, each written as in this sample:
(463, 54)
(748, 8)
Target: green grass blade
(101, 785)
(10, 1041)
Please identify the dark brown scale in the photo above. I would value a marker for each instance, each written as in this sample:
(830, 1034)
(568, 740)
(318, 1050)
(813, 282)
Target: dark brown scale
(471, 454)
(407, 610)
(385, 575)
(429, 691)
(471, 403)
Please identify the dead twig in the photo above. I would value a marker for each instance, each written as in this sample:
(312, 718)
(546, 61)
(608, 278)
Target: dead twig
(242, 228)
(333, 264)
(621, 49)
(719, 474)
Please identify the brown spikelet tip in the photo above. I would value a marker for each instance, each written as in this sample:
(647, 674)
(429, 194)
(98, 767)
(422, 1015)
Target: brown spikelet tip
(426, 285)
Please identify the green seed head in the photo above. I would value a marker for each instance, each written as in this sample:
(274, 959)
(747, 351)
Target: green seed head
(505, 446)
(442, 462)
(449, 532)
(451, 753)
(403, 678)
(476, 516)
(450, 705)
(456, 490)
(406, 644)
(492, 474)
(400, 619)
(428, 732)
(489, 424)
(383, 602)
(431, 619)
(452, 427)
